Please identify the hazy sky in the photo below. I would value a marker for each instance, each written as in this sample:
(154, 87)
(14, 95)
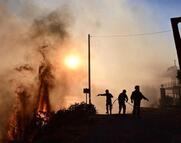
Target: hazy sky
(117, 62)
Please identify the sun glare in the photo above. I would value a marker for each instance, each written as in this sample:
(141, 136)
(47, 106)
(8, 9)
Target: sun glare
(72, 61)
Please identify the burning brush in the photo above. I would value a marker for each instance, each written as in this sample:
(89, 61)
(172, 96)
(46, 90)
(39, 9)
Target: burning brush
(45, 84)
(21, 120)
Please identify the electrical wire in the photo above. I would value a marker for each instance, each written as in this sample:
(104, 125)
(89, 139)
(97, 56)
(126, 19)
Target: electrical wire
(131, 35)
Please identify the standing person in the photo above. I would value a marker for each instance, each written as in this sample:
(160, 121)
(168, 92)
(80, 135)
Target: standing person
(136, 98)
(108, 101)
(121, 100)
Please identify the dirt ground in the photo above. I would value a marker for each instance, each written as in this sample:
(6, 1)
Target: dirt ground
(154, 126)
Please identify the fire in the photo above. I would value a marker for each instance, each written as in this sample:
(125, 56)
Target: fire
(45, 83)
(20, 118)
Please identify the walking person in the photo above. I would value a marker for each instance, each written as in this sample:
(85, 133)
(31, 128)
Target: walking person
(122, 98)
(136, 98)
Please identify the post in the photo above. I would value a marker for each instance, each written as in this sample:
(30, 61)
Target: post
(86, 97)
(177, 37)
(86, 91)
(89, 69)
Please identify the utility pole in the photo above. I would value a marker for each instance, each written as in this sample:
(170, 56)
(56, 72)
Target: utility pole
(89, 69)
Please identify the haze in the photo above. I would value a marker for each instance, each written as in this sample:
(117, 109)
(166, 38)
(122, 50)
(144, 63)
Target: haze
(117, 62)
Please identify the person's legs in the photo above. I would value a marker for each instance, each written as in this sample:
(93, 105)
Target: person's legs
(134, 110)
(110, 106)
(120, 107)
(107, 109)
(124, 109)
(138, 110)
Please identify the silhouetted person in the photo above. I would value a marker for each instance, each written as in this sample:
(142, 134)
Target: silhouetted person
(108, 101)
(121, 100)
(136, 97)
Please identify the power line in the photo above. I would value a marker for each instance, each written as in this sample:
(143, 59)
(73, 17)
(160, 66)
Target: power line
(132, 35)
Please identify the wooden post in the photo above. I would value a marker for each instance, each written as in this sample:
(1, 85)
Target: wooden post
(89, 68)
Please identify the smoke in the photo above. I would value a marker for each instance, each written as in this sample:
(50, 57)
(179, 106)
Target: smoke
(60, 28)
(27, 43)
(51, 25)
(122, 62)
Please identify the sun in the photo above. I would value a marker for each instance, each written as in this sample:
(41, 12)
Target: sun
(72, 61)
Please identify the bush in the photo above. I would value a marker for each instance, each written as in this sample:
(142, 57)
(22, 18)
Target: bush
(83, 108)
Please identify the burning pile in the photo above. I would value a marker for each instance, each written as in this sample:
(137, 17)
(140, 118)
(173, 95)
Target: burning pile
(21, 118)
(45, 84)
(33, 79)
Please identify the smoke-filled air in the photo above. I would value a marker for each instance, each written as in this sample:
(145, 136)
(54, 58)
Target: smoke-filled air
(43, 54)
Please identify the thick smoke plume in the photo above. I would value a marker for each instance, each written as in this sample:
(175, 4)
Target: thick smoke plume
(34, 68)
(50, 26)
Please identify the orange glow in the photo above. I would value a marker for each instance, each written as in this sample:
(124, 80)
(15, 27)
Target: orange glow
(72, 61)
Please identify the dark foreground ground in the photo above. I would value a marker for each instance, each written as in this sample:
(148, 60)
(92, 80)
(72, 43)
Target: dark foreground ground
(155, 126)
